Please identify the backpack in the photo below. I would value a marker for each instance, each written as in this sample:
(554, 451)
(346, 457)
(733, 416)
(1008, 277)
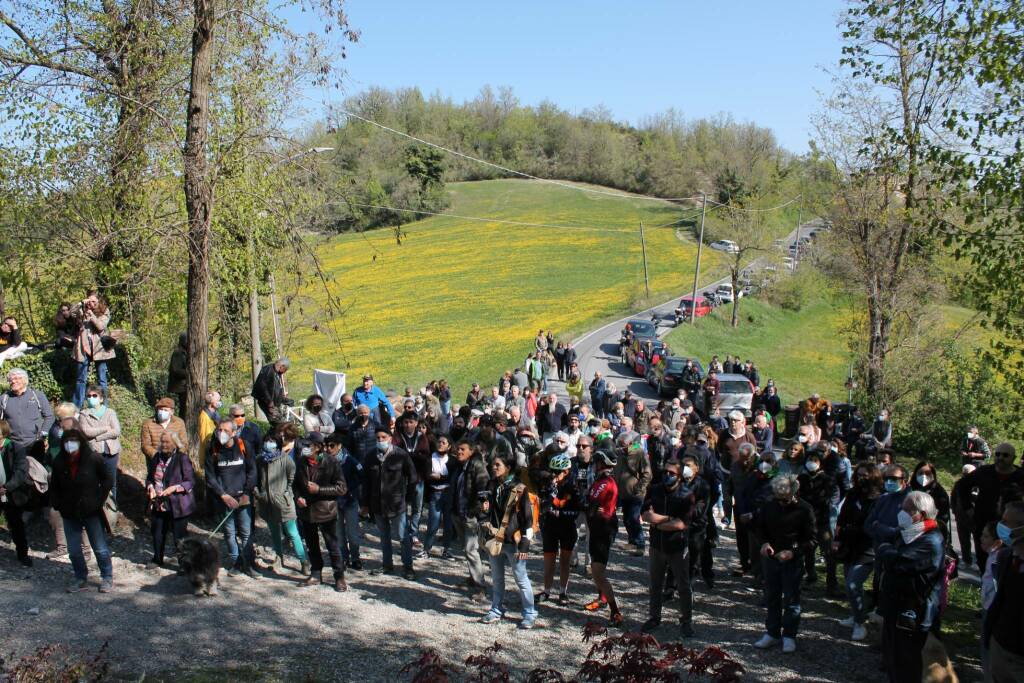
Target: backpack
(535, 504)
(30, 496)
(33, 394)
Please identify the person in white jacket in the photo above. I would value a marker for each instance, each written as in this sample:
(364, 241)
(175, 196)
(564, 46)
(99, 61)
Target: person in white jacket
(316, 419)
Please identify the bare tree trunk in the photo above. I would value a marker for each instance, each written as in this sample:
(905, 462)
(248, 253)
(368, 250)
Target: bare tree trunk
(734, 274)
(199, 205)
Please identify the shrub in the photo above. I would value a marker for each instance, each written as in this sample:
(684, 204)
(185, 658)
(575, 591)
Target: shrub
(799, 289)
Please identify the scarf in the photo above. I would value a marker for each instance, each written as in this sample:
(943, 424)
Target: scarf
(917, 530)
(272, 456)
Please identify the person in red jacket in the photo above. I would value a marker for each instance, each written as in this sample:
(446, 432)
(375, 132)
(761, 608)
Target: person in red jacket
(602, 525)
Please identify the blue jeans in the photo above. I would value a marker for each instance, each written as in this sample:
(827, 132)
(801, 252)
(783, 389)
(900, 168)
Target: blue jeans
(631, 517)
(439, 509)
(83, 378)
(498, 564)
(413, 522)
(93, 526)
(111, 461)
(782, 594)
(856, 575)
(392, 528)
(348, 530)
(239, 524)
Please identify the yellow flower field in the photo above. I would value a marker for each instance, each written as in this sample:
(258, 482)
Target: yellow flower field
(463, 299)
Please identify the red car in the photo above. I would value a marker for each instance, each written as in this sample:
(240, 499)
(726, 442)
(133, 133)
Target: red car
(687, 307)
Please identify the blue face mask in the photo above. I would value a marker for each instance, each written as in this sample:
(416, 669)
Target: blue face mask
(269, 447)
(670, 480)
(1005, 533)
(892, 486)
(383, 446)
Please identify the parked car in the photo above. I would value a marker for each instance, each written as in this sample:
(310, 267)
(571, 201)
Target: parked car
(788, 263)
(724, 293)
(735, 393)
(727, 246)
(689, 306)
(666, 375)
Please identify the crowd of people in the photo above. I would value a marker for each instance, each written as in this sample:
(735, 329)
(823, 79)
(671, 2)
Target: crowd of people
(484, 481)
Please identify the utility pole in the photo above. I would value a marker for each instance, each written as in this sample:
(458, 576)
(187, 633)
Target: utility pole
(643, 250)
(799, 219)
(700, 246)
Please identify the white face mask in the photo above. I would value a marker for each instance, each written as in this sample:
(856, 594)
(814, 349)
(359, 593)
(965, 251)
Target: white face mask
(765, 467)
(223, 437)
(163, 415)
(970, 436)
(687, 472)
(306, 452)
(924, 479)
(802, 438)
(904, 519)
(71, 447)
(812, 466)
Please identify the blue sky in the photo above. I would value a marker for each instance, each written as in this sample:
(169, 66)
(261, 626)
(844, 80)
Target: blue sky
(758, 61)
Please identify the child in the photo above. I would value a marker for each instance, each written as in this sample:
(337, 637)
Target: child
(991, 544)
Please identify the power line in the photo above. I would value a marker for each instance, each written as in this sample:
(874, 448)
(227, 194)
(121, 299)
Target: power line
(558, 183)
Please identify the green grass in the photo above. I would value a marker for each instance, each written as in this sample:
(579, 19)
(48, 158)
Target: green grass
(463, 299)
(803, 350)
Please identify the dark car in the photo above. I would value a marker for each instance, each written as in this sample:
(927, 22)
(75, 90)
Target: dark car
(666, 375)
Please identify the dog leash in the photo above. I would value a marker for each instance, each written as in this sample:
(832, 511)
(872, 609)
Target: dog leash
(217, 528)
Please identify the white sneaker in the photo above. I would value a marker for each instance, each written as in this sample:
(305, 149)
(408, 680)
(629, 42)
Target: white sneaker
(848, 622)
(766, 642)
(789, 645)
(859, 632)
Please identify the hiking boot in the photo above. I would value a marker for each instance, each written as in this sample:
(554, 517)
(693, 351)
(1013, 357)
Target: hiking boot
(616, 620)
(599, 603)
(78, 586)
(106, 585)
(314, 579)
(650, 625)
(490, 618)
(306, 568)
(339, 584)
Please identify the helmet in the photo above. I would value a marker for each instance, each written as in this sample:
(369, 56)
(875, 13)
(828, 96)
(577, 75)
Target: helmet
(559, 463)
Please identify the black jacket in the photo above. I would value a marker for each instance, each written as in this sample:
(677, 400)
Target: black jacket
(321, 506)
(82, 495)
(470, 481)
(787, 526)
(818, 490)
(268, 388)
(230, 470)
(15, 467)
(388, 484)
(551, 421)
(854, 543)
(990, 491)
(678, 504)
(362, 440)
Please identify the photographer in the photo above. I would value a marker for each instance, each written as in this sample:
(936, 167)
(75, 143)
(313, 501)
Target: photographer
(93, 344)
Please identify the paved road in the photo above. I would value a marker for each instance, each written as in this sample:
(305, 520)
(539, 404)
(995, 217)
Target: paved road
(599, 350)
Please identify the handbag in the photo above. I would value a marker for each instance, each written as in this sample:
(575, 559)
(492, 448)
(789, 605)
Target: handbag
(495, 544)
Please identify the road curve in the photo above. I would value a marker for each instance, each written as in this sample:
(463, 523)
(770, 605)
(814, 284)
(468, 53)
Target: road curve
(598, 350)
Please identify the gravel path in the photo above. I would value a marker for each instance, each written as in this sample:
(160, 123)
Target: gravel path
(155, 626)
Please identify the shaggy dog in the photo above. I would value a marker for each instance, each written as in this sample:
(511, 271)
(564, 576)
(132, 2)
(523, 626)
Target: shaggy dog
(199, 561)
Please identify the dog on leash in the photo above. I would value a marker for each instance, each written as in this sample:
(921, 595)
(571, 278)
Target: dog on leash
(199, 561)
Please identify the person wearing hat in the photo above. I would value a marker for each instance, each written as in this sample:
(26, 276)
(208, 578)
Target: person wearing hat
(376, 400)
(601, 502)
(318, 485)
(389, 488)
(668, 507)
(163, 420)
(348, 504)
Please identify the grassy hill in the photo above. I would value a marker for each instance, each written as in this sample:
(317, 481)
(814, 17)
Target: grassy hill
(463, 299)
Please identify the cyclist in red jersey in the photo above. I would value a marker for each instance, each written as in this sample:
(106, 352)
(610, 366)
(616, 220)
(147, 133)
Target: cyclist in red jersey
(602, 526)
